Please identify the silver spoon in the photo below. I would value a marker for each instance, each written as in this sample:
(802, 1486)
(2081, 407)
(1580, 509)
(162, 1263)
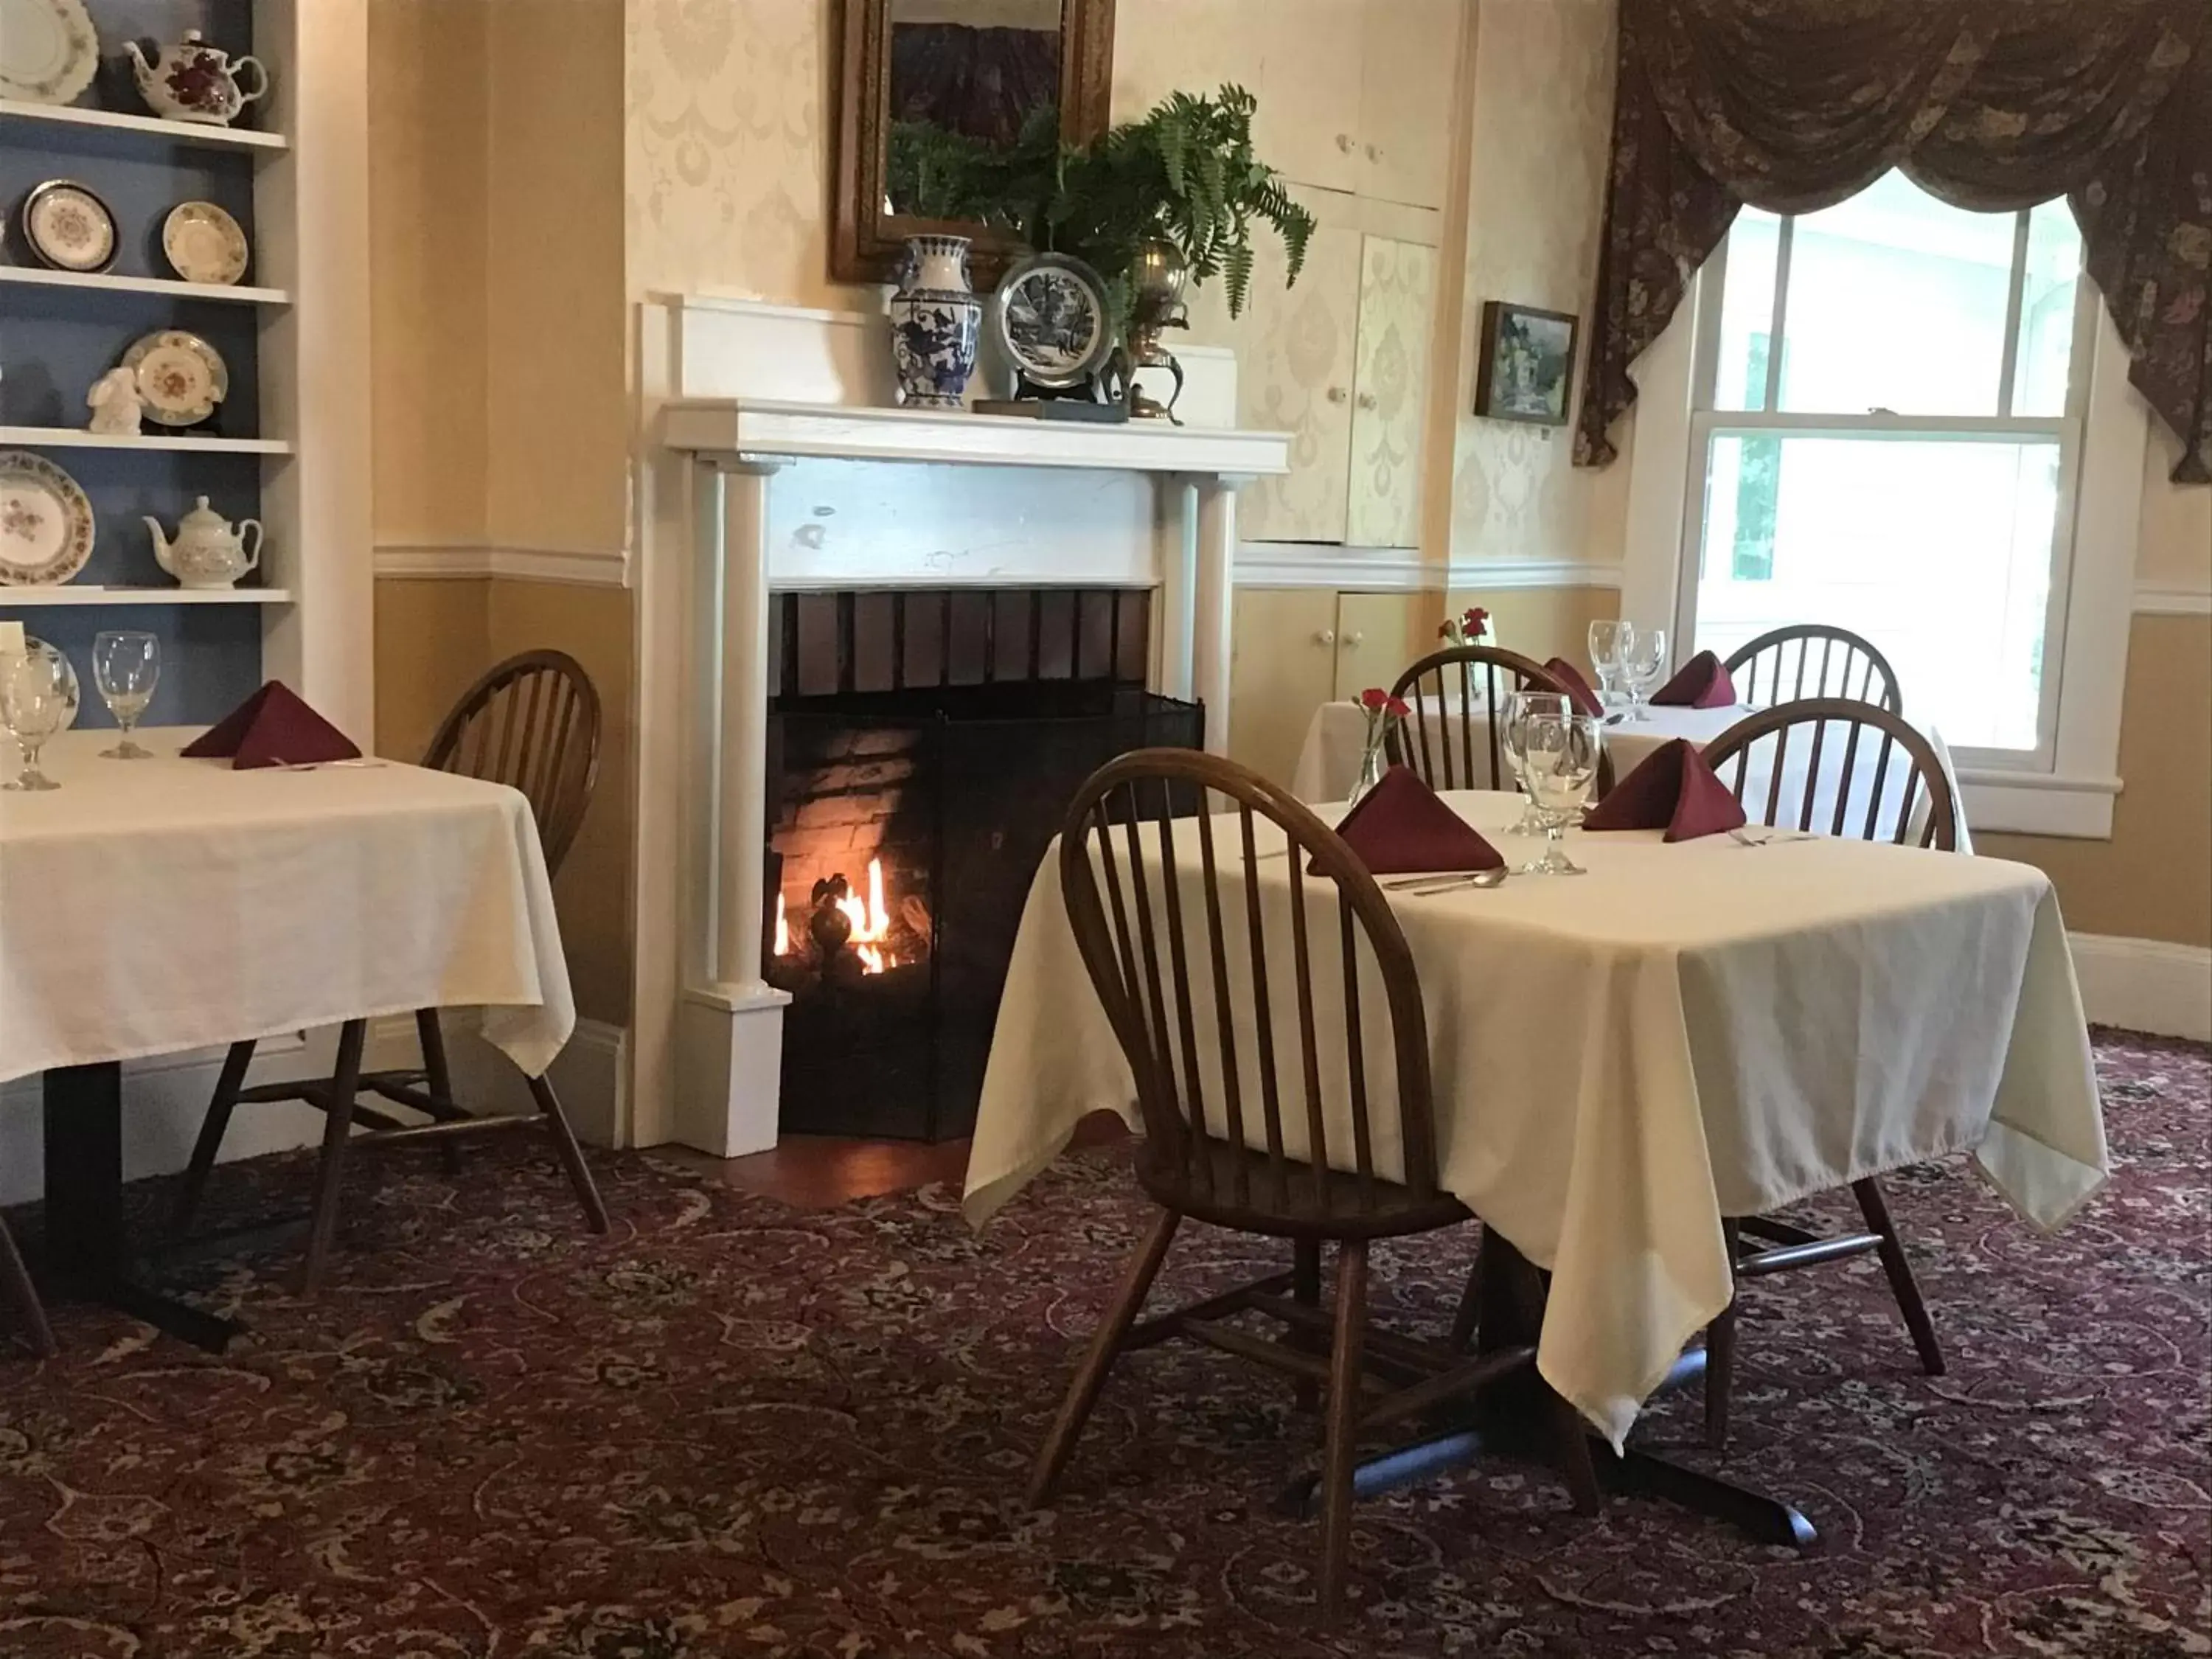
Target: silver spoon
(1422, 886)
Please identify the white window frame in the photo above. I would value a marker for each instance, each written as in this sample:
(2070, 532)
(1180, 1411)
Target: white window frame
(2064, 788)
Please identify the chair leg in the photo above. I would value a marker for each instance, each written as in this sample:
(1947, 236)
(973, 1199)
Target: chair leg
(15, 1287)
(1344, 1365)
(1575, 1464)
(1305, 1287)
(1902, 1284)
(571, 1155)
(1469, 1316)
(213, 1127)
(1098, 1357)
(1720, 1355)
(330, 1173)
(438, 1076)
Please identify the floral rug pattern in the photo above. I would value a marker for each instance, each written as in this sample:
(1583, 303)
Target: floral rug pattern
(736, 1428)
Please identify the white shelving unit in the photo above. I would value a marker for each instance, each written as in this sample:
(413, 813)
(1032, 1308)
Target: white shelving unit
(232, 295)
(69, 437)
(176, 133)
(33, 598)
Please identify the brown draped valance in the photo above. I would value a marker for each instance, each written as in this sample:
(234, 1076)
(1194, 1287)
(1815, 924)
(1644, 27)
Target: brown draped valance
(1792, 106)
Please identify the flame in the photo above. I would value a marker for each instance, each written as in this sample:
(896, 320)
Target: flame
(782, 929)
(871, 922)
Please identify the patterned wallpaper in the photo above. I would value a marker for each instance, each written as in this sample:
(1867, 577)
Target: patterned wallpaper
(1542, 117)
(727, 121)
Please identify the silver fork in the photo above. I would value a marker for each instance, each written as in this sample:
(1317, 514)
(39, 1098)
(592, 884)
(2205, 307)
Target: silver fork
(1743, 837)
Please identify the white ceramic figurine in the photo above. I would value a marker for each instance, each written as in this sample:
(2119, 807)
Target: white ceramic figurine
(115, 404)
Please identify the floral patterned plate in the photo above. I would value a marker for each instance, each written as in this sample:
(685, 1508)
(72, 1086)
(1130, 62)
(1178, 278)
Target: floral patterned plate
(203, 244)
(181, 377)
(69, 227)
(48, 49)
(45, 522)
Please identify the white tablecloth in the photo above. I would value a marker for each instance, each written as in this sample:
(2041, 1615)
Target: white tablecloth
(1336, 738)
(149, 907)
(1620, 1060)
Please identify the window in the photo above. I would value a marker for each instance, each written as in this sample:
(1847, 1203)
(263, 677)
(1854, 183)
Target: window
(1886, 414)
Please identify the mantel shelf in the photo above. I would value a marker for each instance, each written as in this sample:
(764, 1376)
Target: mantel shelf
(753, 427)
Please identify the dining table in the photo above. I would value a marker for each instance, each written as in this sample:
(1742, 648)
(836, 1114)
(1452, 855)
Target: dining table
(1336, 738)
(168, 906)
(1689, 1032)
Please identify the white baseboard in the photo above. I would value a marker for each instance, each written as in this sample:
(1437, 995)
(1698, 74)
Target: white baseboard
(2145, 985)
(165, 1099)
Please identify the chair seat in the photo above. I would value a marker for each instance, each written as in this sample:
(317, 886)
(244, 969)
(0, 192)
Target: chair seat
(1237, 1187)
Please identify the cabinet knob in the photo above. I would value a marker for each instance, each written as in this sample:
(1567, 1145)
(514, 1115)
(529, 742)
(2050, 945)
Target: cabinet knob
(1336, 394)
(1367, 400)
(1354, 640)
(1344, 143)
(1325, 636)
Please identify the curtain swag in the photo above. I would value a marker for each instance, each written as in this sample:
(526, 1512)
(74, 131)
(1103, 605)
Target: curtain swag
(1791, 106)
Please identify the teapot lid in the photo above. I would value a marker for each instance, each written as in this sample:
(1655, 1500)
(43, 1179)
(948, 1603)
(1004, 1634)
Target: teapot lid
(204, 517)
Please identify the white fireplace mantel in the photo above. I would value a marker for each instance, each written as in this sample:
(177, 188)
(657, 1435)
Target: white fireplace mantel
(778, 465)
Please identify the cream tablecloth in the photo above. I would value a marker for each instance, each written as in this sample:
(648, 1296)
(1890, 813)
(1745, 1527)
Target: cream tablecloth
(1620, 1060)
(1336, 736)
(155, 906)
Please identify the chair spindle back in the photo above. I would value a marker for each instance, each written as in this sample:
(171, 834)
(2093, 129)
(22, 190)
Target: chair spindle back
(1888, 783)
(1812, 660)
(1453, 695)
(1163, 911)
(532, 723)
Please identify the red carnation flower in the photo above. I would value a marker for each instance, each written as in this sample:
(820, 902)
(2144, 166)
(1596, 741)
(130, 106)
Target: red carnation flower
(1375, 697)
(1475, 622)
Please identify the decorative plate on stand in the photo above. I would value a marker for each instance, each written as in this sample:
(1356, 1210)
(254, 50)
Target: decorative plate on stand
(1050, 315)
(45, 522)
(49, 50)
(180, 376)
(203, 244)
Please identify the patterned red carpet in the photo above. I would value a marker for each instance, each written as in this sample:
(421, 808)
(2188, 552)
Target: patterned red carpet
(735, 1429)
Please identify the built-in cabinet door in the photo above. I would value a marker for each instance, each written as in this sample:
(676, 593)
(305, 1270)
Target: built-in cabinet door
(1390, 393)
(1409, 52)
(1377, 635)
(1283, 666)
(1295, 352)
(1307, 128)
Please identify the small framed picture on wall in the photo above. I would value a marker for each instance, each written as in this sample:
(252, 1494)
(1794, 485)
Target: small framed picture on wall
(1527, 369)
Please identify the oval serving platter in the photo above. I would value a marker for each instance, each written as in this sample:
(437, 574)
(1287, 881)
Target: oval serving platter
(45, 522)
(181, 377)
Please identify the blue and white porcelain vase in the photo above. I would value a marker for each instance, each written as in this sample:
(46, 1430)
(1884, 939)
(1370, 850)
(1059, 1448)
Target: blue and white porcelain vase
(936, 321)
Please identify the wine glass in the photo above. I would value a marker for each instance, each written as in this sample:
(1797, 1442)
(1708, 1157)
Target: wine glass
(1645, 662)
(126, 665)
(1559, 761)
(1519, 707)
(38, 698)
(1609, 642)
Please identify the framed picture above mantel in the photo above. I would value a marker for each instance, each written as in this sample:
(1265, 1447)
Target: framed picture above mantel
(1525, 367)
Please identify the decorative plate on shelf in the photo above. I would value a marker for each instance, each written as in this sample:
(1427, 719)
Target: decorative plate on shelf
(181, 377)
(203, 244)
(49, 50)
(45, 522)
(69, 227)
(1050, 315)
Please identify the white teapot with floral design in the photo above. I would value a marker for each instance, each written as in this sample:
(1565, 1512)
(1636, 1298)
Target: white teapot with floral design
(209, 551)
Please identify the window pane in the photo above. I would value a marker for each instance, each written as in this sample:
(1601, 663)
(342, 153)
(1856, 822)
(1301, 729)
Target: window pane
(1939, 552)
(2046, 311)
(1896, 301)
(1747, 310)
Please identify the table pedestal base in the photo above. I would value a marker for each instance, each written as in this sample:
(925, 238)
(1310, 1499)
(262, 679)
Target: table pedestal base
(84, 1256)
(1510, 1420)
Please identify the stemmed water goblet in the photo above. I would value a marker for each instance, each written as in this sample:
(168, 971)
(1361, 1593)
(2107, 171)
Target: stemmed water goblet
(1520, 706)
(1559, 756)
(126, 665)
(38, 698)
(1609, 642)
(1644, 664)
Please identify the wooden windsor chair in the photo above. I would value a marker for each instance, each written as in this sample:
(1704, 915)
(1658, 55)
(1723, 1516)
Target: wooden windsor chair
(1262, 1145)
(22, 1296)
(1920, 811)
(1832, 658)
(531, 722)
(1466, 683)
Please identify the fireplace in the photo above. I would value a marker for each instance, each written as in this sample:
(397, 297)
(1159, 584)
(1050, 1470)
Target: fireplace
(922, 748)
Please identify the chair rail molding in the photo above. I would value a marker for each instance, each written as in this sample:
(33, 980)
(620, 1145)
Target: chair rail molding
(1403, 570)
(579, 566)
(768, 456)
(2173, 599)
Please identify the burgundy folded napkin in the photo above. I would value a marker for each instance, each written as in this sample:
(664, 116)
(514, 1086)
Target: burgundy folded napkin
(272, 727)
(1673, 786)
(1702, 683)
(1400, 827)
(1577, 688)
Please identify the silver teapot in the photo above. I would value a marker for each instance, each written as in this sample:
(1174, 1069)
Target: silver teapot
(193, 81)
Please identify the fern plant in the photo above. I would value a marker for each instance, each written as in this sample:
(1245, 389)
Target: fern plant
(1186, 173)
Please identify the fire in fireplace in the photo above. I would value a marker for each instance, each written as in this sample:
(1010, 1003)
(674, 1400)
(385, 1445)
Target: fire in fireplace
(923, 747)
